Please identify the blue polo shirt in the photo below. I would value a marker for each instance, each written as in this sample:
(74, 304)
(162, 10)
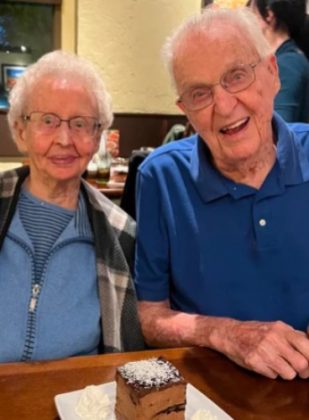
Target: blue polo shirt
(212, 246)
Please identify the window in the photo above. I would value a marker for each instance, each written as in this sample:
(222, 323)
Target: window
(28, 29)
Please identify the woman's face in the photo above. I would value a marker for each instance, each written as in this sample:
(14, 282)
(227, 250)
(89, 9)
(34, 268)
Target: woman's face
(59, 154)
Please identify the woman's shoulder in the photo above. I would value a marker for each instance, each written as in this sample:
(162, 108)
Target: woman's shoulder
(10, 178)
(117, 218)
(289, 54)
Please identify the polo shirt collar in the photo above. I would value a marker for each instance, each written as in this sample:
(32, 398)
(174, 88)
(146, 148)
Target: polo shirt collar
(212, 185)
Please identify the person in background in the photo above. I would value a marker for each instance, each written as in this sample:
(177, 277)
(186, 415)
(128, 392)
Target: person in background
(65, 250)
(222, 216)
(283, 23)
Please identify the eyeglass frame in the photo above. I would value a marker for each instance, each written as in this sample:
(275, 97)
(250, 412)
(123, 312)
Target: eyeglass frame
(97, 125)
(221, 83)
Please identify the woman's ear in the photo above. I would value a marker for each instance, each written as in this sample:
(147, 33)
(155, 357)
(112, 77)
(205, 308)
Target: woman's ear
(97, 140)
(20, 135)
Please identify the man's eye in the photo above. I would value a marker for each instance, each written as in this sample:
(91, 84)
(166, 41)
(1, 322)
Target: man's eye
(236, 76)
(200, 94)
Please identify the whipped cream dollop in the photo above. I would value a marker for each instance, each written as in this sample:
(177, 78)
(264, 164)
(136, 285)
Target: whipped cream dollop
(93, 404)
(203, 415)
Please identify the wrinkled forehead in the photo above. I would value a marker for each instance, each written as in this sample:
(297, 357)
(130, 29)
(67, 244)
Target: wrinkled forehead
(211, 43)
(47, 88)
(210, 53)
(61, 82)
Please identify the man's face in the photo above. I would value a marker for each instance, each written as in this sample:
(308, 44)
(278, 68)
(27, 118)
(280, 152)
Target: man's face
(237, 126)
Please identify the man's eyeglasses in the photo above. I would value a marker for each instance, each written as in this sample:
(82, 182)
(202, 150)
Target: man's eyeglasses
(233, 81)
(47, 123)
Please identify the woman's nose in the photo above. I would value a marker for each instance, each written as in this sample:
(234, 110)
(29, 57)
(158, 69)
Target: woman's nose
(64, 134)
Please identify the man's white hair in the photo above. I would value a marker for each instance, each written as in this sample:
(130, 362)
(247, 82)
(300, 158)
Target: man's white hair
(59, 64)
(241, 18)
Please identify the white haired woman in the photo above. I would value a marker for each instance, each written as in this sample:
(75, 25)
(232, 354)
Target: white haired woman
(65, 250)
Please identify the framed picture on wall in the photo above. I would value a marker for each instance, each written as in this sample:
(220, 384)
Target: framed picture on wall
(10, 73)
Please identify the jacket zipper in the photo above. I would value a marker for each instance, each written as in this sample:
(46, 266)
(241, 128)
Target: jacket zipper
(34, 297)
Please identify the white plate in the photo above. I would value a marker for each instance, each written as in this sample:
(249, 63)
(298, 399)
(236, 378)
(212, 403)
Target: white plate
(67, 402)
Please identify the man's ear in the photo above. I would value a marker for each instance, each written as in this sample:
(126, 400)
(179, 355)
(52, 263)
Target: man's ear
(273, 65)
(20, 135)
(274, 70)
(180, 105)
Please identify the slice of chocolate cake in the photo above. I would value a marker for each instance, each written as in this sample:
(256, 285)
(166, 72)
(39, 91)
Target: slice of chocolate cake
(150, 389)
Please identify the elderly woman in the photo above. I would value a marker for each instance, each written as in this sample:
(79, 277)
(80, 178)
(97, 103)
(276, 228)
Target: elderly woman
(66, 250)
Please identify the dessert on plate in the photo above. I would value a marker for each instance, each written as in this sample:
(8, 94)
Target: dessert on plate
(150, 389)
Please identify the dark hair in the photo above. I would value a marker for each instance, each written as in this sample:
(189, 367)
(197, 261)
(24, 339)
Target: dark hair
(290, 17)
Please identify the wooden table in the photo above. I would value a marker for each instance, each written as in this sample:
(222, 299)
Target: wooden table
(27, 390)
(110, 192)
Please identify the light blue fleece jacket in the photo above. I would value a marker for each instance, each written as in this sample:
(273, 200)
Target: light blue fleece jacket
(36, 321)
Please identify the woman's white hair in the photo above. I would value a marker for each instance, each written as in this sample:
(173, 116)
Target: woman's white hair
(59, 64)
(241, 18)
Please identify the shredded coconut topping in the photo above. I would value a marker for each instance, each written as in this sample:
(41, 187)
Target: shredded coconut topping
(150, 373)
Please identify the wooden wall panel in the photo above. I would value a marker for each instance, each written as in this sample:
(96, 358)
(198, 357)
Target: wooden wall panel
(7, 146)
(138, 130)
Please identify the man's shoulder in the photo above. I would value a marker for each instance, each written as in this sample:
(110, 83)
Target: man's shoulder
(300, 138)
(301, 133)
(171, 152)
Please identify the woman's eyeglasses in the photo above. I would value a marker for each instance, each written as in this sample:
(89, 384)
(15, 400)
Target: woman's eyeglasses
(47, 123)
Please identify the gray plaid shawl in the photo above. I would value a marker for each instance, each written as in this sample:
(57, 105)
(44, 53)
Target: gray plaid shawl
(114, 236)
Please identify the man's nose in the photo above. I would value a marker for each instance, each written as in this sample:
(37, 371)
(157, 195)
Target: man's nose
(224, 102)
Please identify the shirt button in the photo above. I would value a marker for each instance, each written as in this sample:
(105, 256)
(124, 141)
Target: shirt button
(262, 222)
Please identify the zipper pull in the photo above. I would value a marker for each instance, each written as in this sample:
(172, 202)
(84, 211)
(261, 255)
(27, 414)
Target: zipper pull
(33, 301)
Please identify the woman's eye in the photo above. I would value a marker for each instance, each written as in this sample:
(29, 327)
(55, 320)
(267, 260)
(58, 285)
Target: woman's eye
(48, 120)
(79, 123)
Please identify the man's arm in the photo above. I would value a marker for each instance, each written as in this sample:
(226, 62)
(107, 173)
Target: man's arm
(269, 348)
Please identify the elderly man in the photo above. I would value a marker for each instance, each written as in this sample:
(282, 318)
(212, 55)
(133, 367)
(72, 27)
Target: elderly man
(223, 226)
